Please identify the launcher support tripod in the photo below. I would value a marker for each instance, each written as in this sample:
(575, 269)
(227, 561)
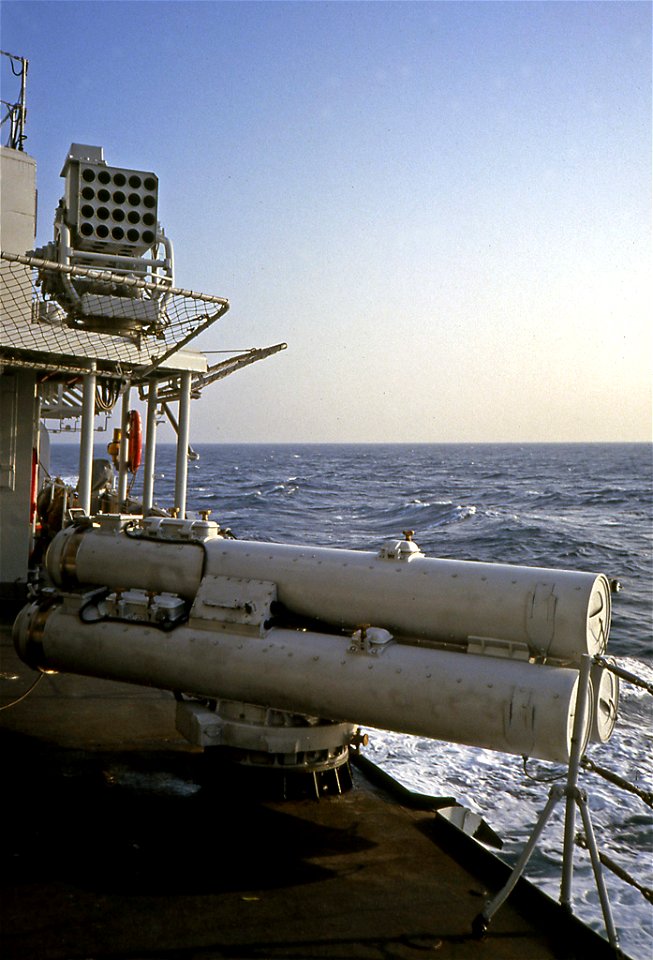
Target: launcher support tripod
(573, 797)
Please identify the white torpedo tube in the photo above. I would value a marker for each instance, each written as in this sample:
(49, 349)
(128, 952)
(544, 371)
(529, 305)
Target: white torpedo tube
(471, 653)
(558, 614)
(500, 704)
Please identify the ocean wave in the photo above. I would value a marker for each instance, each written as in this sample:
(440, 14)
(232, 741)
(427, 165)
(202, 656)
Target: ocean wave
(468, 510)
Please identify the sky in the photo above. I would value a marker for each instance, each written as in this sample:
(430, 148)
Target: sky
(444, 208)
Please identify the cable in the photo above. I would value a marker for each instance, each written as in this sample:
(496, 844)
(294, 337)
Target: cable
(530, 776)
(625, 674)
(26, 694)
(106, 396)
(618, 871)
(645, 795)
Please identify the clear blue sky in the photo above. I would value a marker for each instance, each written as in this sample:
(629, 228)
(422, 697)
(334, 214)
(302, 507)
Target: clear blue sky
(443, 207)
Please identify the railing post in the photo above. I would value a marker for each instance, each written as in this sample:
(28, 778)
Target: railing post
(86, 441)
(181, 475)
(150, 448)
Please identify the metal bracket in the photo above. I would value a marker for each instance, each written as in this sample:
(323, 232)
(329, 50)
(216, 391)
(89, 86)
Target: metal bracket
(496, 647)
(144, 606)
(371, 641)
(232, 600)
(403, 550)
(248, 727)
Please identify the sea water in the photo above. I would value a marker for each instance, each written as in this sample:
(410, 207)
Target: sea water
(571, 506)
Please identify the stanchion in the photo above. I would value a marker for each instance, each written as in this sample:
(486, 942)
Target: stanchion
(574, 797)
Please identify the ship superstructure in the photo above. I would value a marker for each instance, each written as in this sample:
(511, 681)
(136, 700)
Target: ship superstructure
(87, 321)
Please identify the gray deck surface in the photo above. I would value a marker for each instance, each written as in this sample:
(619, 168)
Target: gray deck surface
(118, 843)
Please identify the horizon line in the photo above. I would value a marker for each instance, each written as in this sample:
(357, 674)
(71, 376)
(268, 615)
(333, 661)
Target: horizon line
(69, 437)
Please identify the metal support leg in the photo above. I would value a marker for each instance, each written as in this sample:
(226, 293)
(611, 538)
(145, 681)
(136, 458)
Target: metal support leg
(572, 796)
(150, 449)
(577, 744)
(598, 871)
(86, 443)
(181, 476)
(482, 921)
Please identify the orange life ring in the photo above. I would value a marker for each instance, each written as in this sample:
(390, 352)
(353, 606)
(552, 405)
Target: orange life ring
(135, 437)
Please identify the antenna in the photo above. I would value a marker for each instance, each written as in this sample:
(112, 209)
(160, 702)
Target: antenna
(16, 113)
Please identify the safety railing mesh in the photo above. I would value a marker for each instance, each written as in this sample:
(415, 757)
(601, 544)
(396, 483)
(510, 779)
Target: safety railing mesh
(84, 314)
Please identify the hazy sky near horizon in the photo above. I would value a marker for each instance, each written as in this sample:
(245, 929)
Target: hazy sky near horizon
(444, 208)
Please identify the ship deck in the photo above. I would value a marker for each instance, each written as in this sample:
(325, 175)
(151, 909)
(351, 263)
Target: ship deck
(119, 841)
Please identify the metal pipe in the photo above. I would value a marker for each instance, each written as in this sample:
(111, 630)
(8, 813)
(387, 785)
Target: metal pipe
(124, 447)
(86, 440)
(64, 254)
(577, 747)
(175, 426)
(95, 274)
(555, 794)
(150, 448)
(167, 246)
(113, 260)
(598, 872)
(181, 472)
(169, 262)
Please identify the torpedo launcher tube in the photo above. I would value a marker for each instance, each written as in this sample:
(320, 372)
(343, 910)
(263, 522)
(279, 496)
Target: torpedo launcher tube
(473, 653)
(558, 614)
